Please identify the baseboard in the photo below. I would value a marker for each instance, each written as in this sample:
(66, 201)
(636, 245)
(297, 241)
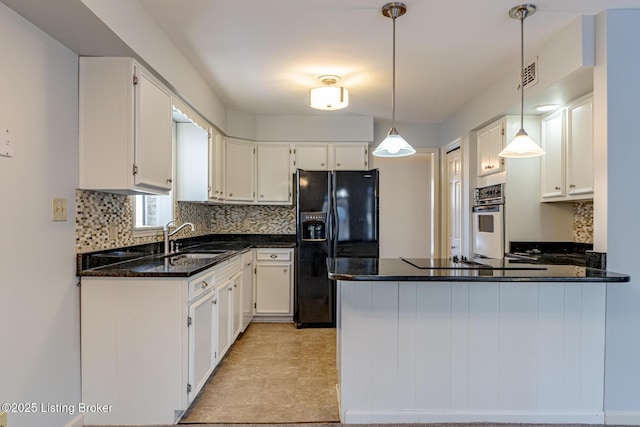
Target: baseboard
(622, 417)
(272, 319)
(514, 417)
(78, 421)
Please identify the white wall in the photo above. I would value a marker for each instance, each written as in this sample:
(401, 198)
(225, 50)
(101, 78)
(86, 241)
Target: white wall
(616, 94)
(330, 128)
(39, 350)
(416, 134)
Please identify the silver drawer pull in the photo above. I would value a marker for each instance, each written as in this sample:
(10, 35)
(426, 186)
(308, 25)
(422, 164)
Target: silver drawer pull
(274, 256)
(204, 284)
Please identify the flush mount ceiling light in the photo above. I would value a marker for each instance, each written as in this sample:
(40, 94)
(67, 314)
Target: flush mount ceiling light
(522, 145)
(394, 145)
(544, 108)
(329, 97)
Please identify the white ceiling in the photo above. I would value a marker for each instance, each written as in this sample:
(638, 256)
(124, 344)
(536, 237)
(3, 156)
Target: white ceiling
(263, 56)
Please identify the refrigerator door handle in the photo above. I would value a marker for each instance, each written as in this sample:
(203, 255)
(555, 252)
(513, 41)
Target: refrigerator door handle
(336, 219)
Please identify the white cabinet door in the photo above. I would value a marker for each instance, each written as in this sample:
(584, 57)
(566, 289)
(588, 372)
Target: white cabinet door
(580, 148)
(274, 282)
(124, 128)
(274, 173)
(153, 133)
(273, 289)
(312, 156)
(225, 318)
(216, 165)
(247, 289)
(237, 305)
(201, 345)
(192, 165)
(490, 141)
(240, 170)
(567, 138)
(351, 157)
(553, 162)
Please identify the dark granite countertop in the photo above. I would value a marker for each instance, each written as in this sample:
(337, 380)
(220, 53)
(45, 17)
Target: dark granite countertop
(444, 270)
(149, 261)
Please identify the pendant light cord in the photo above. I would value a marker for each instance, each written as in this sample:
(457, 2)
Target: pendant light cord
(393, 85)
(522, 16)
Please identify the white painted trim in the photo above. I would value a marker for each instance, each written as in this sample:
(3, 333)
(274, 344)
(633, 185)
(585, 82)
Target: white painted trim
(622, 417)
(520, 417)
(78, 421)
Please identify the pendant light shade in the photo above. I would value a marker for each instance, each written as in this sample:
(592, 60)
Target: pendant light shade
(394, 145)
(522, 145)
(329, 97)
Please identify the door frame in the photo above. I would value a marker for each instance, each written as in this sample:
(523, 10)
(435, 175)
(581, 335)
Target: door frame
(444, 187)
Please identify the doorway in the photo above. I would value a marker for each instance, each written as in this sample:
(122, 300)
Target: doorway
(408, 190)
(452, 206)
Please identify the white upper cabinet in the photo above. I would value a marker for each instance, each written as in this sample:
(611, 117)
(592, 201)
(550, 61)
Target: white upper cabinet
(580, 148)
(216, 165)
(240, 170)
(312, 156)
(332, 156)
(192, 166)
(553, 142)
(124, 127)
(490, 141)
(567, 138)
(274, 174)
(351, 157)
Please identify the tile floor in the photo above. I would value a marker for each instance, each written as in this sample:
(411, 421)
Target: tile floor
(274, 373)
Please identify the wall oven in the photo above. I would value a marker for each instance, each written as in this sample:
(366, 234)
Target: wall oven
(488, 222)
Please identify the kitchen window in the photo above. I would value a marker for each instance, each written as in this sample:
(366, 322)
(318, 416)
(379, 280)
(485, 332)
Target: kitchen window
(151, 213)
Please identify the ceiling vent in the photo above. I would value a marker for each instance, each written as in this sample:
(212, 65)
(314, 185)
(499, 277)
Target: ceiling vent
(530, 73)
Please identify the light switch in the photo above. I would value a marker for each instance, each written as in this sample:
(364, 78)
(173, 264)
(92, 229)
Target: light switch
(59, 209)
(6, 148)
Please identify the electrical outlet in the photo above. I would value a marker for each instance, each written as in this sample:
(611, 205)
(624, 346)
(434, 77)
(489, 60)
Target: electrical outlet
(59, 209)
(3, 419)
(246, 224)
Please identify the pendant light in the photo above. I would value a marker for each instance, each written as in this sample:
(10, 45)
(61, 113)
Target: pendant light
(329, 96)
(522, 145)
(394, 145)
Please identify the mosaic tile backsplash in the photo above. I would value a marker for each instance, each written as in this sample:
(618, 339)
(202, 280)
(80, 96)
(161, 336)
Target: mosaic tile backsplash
(583, 222)
(98, 213)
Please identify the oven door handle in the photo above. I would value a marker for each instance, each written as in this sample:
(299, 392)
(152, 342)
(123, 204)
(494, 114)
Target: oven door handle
(486, 208)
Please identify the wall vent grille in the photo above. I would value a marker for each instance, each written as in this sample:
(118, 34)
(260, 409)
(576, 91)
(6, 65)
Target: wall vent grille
(530, 75)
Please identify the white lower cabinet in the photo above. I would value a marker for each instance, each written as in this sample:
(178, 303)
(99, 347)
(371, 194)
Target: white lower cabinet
(274, 283)
(201, 325)
(148, 345)
(247, 289)
(225, 318)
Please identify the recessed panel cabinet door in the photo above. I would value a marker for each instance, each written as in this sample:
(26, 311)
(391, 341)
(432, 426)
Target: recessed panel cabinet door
(553, 143)
(313, 157)
(351, 157)
(273, 288)
(201, 345)
(240, 167)
(274, 173)
(152, 134)
(580, 148)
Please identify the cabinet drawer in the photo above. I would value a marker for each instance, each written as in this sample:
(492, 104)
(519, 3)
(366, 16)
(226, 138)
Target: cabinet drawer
(273, 254)
(200, 285)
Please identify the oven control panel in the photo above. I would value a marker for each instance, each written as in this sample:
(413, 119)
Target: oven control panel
(490, 195)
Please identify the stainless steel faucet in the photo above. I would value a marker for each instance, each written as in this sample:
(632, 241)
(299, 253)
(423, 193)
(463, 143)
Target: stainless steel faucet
(165, 232)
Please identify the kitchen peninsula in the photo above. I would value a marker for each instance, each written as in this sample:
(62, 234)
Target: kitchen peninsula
(428, 341)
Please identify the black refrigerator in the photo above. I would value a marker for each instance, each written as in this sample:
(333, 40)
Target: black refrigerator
(336, 216)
